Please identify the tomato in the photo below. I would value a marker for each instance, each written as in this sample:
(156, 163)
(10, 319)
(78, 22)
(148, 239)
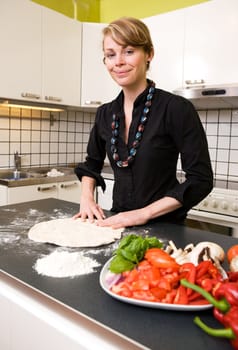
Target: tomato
(159, 293)
(141, 284)
(144, 295)
(159, 258)
(152, 275)
(122, 289)
(164, 284)
(232, 252)
(131, 276)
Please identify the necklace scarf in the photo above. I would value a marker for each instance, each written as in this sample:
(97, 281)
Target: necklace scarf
(138, 136)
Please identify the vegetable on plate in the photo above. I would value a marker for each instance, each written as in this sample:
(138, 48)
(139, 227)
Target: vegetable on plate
(225, 300)
(232, 252)
(155, 275)
(131, 251)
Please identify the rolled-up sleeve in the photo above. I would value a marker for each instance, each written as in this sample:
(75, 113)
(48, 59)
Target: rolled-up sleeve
(93, 164)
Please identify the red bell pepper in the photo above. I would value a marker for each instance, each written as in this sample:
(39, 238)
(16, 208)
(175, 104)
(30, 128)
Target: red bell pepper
(225, 309)
(228, 290)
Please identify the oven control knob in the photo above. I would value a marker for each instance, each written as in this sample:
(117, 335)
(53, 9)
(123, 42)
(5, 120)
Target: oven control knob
(205, 203)
(224, 205)
(214, 203)
(234, 206)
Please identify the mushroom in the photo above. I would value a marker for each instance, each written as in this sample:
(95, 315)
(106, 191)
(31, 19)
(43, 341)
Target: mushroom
(207, 251)
(179, 254)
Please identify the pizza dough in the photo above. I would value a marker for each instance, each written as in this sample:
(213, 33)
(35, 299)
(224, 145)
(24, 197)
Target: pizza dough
(71, 232)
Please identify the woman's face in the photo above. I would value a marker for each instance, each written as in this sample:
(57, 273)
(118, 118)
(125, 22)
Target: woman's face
(126, 65)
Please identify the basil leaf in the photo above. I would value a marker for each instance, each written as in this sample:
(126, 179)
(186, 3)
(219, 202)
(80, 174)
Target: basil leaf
(119, 264)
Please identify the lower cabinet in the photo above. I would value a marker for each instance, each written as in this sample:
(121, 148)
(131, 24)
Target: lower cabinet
(68, 190)
(3, 195)
(104, 199)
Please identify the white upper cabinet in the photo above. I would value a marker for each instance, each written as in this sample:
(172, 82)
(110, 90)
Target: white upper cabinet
(210, 48)
(97, 85)
(20, 58)
(40, 54)
(61, 58)
(167, 33)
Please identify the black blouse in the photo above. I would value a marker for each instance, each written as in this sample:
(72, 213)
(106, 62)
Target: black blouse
(173, 128)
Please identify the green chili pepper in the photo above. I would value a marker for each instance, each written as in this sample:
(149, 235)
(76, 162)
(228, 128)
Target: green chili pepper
(222, 333)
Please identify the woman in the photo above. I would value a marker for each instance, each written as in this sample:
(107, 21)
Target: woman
(143, 132)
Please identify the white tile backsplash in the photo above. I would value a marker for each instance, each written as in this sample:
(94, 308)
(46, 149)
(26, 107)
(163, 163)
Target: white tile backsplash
(211, 129)
(25, 136)
(234, 156)
(222, 155)
(54, 136)
(212, 116)
(224, 142)
(4, 122)
(15, 135)
(35, 147)
(65, 140)
(233, 169)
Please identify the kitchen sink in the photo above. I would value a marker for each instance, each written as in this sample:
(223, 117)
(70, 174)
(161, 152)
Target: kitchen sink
(12, 175)
(33, 173)
(47, 171)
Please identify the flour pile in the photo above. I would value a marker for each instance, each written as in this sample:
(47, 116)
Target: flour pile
(65, 264)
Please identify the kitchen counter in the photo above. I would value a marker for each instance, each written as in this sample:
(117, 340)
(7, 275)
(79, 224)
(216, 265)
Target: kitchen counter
(37, 176)
(147, 327)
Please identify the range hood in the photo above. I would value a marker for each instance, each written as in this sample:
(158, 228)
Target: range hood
(211, 97)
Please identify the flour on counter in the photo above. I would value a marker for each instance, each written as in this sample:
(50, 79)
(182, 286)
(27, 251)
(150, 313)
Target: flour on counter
(65, 264)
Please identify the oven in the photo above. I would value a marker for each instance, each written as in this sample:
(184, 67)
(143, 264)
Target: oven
(218, 212)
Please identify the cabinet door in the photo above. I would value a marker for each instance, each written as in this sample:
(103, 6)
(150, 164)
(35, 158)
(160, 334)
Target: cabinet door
(70, 191)
(167, 33)
(211, 52)
(61, 65)
(20, 58)
(104, 199)
(31, 193)
(3, 195)
(97, 85)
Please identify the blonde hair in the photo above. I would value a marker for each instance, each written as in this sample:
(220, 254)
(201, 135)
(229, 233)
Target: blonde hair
(127, 31)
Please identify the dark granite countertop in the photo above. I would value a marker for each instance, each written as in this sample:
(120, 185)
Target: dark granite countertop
(154, 328)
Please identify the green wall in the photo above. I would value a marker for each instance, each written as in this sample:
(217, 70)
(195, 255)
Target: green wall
(140, 8)
(107, 10)
(87, 10)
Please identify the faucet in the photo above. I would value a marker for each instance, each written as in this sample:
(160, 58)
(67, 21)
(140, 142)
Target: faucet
(17, 161)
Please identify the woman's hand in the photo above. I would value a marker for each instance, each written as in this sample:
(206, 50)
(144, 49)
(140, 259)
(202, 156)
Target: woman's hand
(124, 219)
(89, 209)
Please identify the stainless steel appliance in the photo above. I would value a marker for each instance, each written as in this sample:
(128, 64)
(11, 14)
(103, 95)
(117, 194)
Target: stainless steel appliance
(220, 207)
(208, 97)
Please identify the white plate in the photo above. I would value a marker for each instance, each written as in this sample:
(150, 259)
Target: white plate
(175, 307)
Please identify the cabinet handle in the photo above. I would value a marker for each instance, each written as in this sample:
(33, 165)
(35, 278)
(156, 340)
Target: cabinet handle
(53, 98)
(30, 95)
(68, 185)
(42, 189)
(195, 82)
(93, 103)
